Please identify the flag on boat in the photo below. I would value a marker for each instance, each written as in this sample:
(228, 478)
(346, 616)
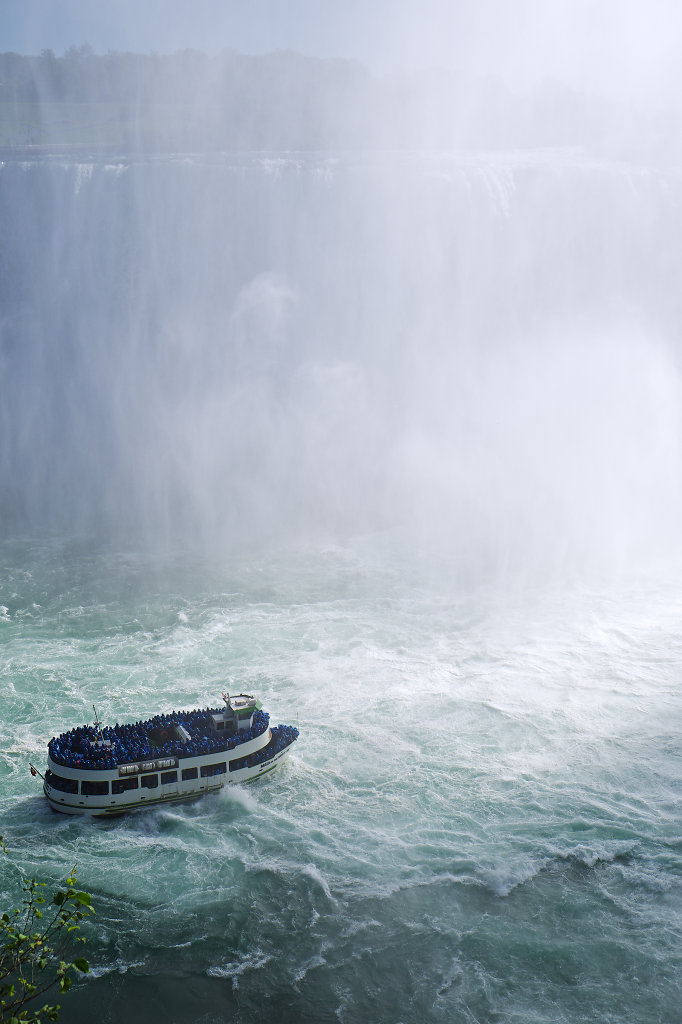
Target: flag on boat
(33, 770)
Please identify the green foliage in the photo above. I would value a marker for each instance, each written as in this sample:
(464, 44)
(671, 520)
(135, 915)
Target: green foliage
(35, 940)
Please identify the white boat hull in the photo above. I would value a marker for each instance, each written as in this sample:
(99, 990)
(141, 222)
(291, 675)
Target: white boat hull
(176, 791)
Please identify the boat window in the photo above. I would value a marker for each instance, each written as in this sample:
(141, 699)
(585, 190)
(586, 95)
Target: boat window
(207, 770)
(121, 785)
(89, 788)
(60, 783)
(189, 773)
(168, 777)
(149, 781)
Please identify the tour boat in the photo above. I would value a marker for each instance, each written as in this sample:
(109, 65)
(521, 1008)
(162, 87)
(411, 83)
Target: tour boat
(169, 758)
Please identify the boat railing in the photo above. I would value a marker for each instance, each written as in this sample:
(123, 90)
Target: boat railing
(281, 736)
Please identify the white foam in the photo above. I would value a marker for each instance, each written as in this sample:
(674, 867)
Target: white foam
(234, 970)
(503, 880)
(313, 872)
(240, 796)
(309, 965)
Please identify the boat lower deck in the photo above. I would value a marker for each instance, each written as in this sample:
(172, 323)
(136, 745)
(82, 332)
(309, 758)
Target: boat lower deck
(192, 782)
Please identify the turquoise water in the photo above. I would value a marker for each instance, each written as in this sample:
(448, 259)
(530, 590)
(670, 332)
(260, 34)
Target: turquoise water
(480, 821)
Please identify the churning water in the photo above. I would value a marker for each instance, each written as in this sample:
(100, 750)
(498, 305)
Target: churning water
(464, 374)
(480, 820)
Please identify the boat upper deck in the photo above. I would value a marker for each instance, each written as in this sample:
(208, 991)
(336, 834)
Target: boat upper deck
(179, 734)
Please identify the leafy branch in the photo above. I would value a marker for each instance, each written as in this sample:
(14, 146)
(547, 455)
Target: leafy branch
(34, 941)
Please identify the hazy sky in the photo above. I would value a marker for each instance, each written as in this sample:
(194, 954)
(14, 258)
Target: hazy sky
(628, 47)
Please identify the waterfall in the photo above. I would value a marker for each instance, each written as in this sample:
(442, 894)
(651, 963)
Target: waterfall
(478, 349)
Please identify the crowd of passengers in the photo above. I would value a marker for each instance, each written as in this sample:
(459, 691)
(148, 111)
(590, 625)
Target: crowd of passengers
(282, 736)
(120, 744)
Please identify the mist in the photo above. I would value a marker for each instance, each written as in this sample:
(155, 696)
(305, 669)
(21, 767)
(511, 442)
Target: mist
(281, 298)
(340, 364)
(619, 48)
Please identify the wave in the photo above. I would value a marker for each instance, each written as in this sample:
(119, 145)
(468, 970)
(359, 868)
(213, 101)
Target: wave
(503, 881)
(256, 960)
